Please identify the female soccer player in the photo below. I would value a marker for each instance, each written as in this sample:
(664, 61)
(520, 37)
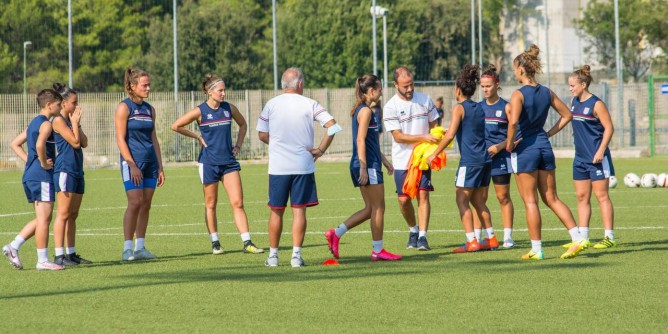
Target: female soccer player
(366, 171)
(473, 174)
(217, 159)
(496, 127)
(592, 166)
(37, 180)
(68, 175)
(141, 160)
(532, 158)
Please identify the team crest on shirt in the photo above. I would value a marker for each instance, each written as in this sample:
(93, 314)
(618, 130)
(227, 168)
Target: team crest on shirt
(498, 113)
(135, 112)
(227, 113)
(402, 113)
(209, 116)
(585, 111)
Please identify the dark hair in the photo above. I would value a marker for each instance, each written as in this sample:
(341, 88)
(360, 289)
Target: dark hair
(529, 60)
(63, 90)
(48, 96)
(362, 86)
(132, 76)
(583, 74)
(402, 71)
(209, 79)
(439, 99)
(468, 79)
(491, 71)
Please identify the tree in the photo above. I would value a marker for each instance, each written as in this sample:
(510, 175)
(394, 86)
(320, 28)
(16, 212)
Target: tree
(641, 29)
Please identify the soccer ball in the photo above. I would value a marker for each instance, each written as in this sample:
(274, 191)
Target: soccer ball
(632, 180)
(648, 180)
(662, 180)
(612, 181)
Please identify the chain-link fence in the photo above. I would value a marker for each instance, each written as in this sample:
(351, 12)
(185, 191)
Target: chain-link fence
(99, 108)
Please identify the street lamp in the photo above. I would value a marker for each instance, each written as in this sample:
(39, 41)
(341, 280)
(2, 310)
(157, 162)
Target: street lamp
(25, 99)
(378, 13)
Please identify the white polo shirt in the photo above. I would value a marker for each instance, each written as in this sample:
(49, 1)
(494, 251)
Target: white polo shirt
(412, 118)
(288, 118)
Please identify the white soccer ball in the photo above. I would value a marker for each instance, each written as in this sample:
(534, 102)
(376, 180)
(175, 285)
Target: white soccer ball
(632, 180)
(612, 181)
(662, 180)
(648, 180)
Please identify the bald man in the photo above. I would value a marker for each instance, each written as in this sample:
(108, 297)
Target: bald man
(286, 124)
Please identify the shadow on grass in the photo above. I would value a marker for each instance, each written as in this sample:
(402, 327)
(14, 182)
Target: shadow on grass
(234, 273)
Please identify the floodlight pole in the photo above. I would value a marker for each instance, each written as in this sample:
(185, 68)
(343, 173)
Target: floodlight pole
(620, 86)
(69, 41)
(273, 32)
(472, 31)
(25, 90)
(176, 55)
(373, 29)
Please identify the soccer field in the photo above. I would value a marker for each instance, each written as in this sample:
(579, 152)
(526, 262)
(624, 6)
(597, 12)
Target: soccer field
(190, 290)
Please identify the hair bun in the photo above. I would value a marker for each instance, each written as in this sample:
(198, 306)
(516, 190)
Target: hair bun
(533, 51)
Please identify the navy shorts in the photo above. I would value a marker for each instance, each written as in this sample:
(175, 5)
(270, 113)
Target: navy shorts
(591, 171)
(533, 153)
(473, 176)
(375, 176)
(149, 171)
(39, 191)
(532, 159)
(400, 177)
(209, 173)
(300, 188)
(501, 164)
(67, 183)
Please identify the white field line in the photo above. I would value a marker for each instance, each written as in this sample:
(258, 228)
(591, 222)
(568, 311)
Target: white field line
(223, 203)
(163, 234)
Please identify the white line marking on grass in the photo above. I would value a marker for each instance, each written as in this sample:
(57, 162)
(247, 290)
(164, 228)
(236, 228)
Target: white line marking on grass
(182, 234)
(453, 212)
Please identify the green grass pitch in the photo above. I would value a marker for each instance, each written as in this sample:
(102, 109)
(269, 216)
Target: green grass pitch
(190, 290)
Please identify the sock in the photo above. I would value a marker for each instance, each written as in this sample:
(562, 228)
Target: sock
(610, 235)
(273, 252)
(71, 250)
(489, 232)
(377, 246)
(18, 242)
(245, 236)
(584, 232)
(422, 234)
(341, 230)
(296, 251)
(470, 236)
(214, 236)
(42, 255)
(414, 229)
(127, 245)
(478, 233)
(536, 246)
(139, 244)
(575, 234)
(507, 234)
(60, 251)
